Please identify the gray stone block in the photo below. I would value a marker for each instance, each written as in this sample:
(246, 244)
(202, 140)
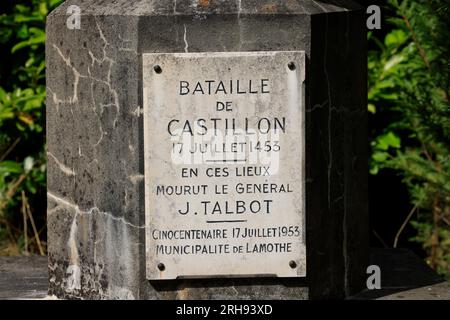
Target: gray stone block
(96, 208)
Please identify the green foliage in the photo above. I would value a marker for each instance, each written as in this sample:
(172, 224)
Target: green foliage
(22, 122)
(409, 81)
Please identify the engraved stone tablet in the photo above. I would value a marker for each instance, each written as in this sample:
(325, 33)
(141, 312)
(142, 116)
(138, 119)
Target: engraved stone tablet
(224, 164)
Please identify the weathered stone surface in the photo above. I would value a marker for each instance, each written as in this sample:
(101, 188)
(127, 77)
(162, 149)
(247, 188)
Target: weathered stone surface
(404, 277)
(95, 139)
(23, 277)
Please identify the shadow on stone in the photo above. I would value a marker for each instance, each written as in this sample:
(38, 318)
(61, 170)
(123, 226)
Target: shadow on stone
(404, 276)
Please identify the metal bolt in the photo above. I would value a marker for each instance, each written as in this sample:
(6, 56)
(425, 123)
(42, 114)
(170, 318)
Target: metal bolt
(291, 66)
(292, 264)
(161, 266)
(157, 69)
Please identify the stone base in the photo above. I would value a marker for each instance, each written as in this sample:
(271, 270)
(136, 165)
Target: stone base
(403, 277)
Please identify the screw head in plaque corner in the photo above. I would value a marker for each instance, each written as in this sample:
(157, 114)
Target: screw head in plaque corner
(292, 264)
(291, 66)
(157, 69)
(161, 266)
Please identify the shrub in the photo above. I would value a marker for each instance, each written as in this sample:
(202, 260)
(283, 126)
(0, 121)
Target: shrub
(22, 123)
(409, 84)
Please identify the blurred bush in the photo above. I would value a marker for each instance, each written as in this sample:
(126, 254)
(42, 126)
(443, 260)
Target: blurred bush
(409, 85)
(22, 126)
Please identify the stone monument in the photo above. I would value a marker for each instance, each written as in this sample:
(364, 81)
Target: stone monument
(206, 149)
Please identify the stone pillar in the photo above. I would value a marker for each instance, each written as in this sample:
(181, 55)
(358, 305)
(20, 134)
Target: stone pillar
(95, 132)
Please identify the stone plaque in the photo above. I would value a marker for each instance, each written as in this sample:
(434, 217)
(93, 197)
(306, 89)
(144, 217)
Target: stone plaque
(224, 164)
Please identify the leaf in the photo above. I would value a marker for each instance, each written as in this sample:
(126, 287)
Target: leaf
(385, 141)
(380, 156)
(388, 96)
(395, 38)
(26, 118)
(392, 62)
(5, 35)
(22, 32)
(6, 114)
(43, 10)
(29, 62)
(54, 3)
(35, 103)
(2, 94)
(22, 8)
(10, 167)
(374, 170)
(41, 67)
(37, 31)
(20, 127)
(39, 39)
(371, 108)
(19, 18)
(30, 186)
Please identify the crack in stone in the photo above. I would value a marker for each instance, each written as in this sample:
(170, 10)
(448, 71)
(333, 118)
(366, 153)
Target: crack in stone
(74, 271)
(131, 147)
(301, 6)
(320, 6)
(76, 73)
(124, 40)
(317, 106)
(235, 291)
(65, 203)
(138, 111)
(128, 50)
(125, 199)
(56, 100)
(107, 82)
(95, 111)
(102, 134)
(111, 90)
(330, 155)
(136, 178)
(98, 261)
(239, 7)
(186, 45)
(175, 7)
(330, 109)
(66, 170)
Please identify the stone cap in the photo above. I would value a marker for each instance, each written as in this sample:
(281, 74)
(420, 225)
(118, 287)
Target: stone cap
(206, 7)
